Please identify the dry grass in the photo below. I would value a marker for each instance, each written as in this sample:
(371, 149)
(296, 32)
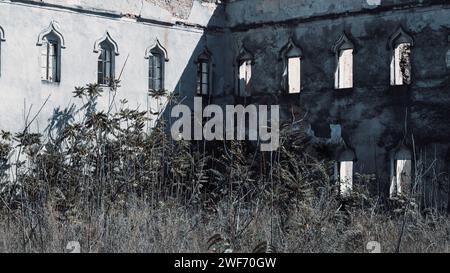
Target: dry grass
(106, 182)
(172, 229)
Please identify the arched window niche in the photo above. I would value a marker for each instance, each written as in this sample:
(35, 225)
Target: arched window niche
(292, 55)
(157, 57)
(107, 50)
(244, 62)
(400, 45)
(204, 73)
(344, 50)
(51, 42)
(401, 171)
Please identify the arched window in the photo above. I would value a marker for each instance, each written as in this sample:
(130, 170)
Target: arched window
(51, 42)
(2, 39)
(400, 45)
(401, 171)
(155, 71)
(107, 50)
(204, 73)
(157, 56)
(245, 61)
(292, 58)
(344, 49)
(105, 64)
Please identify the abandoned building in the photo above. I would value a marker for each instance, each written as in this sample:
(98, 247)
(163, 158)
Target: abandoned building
(370, 77)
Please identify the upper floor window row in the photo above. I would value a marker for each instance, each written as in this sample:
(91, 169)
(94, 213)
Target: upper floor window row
(400, 45)
(51, 42)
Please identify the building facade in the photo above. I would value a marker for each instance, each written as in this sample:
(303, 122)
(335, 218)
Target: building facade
(50, 47)
(370, 78)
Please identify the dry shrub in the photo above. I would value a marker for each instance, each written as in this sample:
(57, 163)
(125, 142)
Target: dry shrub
(111, 184)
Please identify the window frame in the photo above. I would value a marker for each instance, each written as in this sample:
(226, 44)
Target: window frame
(204, 78)
(203, 87)
(51, 36)
(155, 58)
(106, 49)
(52, 63)
(156, 48)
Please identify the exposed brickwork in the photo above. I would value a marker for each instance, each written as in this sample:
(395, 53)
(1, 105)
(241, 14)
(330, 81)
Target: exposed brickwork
(179, 8)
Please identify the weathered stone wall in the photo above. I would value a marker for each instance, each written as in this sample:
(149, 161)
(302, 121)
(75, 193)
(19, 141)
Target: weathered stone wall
(373, 116)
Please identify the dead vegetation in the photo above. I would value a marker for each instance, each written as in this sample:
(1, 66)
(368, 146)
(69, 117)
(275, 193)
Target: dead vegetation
(106, 182)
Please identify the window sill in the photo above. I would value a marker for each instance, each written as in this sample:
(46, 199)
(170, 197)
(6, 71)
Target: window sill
(202, 95)
(342, 92)
(344, 89)
(399, 89)
(400, 86)
(104, 85)
(50, 82)
(287, 94)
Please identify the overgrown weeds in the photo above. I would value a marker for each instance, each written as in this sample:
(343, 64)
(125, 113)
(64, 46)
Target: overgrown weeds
(107, 182)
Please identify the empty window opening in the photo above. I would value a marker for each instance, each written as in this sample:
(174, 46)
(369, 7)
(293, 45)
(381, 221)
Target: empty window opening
(401, 64)
(106, 63)
(346, 178)
(244, 63)
(344, 50)
(292, 60)
(401, 44)
(344, 69)
(245, 75)
(401, 173)
(294, 75)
